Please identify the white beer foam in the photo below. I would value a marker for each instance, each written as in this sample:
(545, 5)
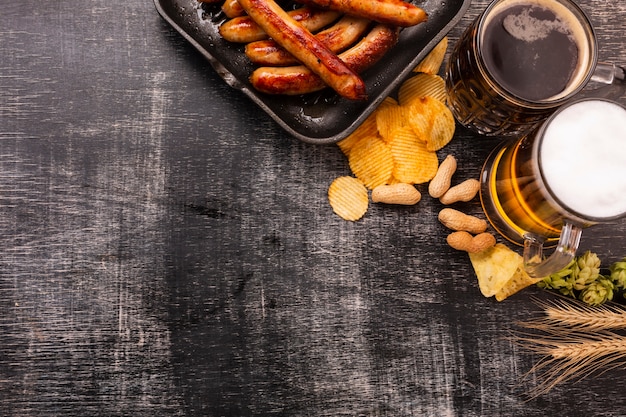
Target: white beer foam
(527, 28)
(582, 158)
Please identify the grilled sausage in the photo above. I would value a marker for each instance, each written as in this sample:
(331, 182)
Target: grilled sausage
(244, 29)
(337, 38)
(307, 49)
(295, 80)
(232, 8)
(392, 12)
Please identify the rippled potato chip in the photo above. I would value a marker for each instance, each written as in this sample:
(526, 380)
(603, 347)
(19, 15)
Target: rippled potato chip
(432, 62)
(371, 161)
(422, 85)
(431, 121)
(389, 117)
(413, 163)
(366, 129)
(348, 198)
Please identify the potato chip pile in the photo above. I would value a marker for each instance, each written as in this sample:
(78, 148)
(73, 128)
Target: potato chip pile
(398, 142)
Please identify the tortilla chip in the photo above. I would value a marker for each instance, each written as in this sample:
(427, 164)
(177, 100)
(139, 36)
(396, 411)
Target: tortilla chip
(519, 281)
(494, 267)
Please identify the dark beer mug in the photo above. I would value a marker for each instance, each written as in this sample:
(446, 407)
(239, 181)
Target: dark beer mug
(519, 61)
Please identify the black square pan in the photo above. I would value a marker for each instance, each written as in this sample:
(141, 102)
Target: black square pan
(322, 117)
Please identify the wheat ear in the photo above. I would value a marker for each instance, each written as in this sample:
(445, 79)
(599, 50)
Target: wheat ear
(578, 316)
(571, 355)
(575, 341)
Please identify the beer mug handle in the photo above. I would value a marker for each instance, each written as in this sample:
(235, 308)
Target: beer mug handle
(535, 264)
(607, 73)
(610, 82)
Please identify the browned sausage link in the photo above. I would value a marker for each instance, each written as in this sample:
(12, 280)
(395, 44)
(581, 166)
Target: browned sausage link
(372, 48)
(305, 47)
(392, 12)
(337, 38)
(232, 8)
(297, 80)
(244, 29)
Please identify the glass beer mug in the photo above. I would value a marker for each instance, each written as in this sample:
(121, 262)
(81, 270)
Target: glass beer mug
(567, 174)
(519, 61)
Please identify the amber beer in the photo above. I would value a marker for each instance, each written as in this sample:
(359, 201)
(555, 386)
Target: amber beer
(569, 169)
(518, 62)
(512, 196)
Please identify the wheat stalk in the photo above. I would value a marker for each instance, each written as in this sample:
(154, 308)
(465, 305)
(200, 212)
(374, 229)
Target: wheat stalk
(575, 341)
(578, 316)
(575, 357)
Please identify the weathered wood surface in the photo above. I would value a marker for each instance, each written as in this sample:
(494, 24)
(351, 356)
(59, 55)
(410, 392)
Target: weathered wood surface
(166, 249)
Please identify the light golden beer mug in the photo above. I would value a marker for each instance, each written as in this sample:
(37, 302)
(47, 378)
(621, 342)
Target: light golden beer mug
(569, 173)
(519, 61)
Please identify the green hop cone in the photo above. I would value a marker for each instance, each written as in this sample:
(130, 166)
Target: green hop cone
(564, 286)
(559, 280)
(598, 292)
(585, 270)
(618, 273)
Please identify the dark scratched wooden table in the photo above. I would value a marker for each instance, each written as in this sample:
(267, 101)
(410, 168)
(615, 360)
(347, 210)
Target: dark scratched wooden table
(167, 249)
